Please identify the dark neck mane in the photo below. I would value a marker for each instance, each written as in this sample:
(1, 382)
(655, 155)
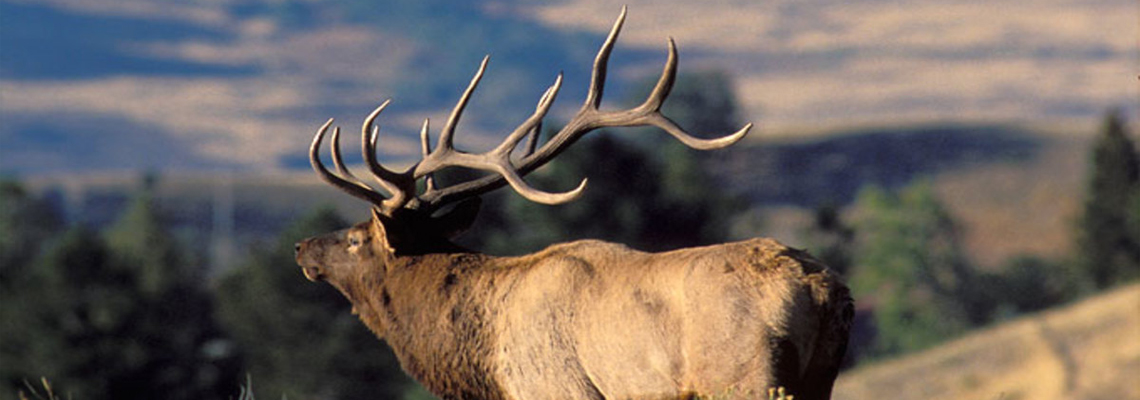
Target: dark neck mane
(428, 310)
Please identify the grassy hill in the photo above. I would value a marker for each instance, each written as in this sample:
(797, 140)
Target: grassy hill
(1014, 189)
(832, 169)
(1088, 350)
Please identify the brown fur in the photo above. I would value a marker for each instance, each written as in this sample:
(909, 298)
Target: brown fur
(589, 319)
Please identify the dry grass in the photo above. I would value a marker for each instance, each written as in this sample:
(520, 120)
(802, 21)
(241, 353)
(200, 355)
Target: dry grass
(1088, 350)
(1012, 209)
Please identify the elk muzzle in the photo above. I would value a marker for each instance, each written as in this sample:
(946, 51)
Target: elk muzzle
(310, 266)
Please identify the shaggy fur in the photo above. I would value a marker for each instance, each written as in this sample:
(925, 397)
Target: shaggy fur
(590, 319)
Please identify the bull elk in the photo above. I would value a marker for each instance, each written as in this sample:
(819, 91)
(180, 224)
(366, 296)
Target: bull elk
(580, 320)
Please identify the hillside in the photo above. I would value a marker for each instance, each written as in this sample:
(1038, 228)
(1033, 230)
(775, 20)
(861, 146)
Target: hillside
(1015, 190)
(813, 171)
(1089, 350)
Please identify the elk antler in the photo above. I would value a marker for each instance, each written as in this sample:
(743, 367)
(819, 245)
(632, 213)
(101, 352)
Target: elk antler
(402, 187)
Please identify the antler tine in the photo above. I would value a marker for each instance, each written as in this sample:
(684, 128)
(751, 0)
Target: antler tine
(652, 110)
(369, 136)
(598, 77)
(535, 119)
(514, 179)
(536, 130)
(355, 187)
(498, 160)
(425, 149)
(588, 118)
(531, 159)
(664, 83)
(648, 113)
(401, 187)
(447, 134)
(532, 139)
(338, 161)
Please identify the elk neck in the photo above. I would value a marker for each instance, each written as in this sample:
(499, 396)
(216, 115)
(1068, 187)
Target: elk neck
(431, 309)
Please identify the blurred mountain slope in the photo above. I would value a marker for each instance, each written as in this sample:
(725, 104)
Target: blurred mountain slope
(1087, 350)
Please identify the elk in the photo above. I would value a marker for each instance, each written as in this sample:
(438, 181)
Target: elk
(580, 320)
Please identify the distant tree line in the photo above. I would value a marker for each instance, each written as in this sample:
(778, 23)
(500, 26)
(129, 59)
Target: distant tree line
(126, 312)
(118, 314)
(903, 257)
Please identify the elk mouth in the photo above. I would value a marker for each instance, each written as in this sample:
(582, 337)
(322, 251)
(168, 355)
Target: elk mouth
(313, 273)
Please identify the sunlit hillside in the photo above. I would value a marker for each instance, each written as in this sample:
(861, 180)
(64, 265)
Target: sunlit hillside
(1088, 350)
(1014, 190)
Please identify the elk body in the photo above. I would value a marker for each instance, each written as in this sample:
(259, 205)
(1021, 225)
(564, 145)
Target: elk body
(579, 320)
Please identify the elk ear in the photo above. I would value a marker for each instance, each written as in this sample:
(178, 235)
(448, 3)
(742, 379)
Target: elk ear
(457, 220)
(380, 229)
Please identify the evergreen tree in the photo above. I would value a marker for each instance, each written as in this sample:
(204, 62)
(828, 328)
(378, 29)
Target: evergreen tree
(705, 104)
(1028, 284)
(70, 315)
(1109, 234)
(830, 239)
(298, 338)
(93, 319)
(622, 203)
(26, 224)
(141, 240)
(909, 266)
(176, 320)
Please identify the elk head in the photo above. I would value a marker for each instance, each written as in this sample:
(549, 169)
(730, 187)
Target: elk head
(406, 219)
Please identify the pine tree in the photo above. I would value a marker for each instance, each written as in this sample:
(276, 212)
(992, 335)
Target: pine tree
(116, 320)
(1109, 237)
(27, 223)
(141, 240)
(299, 338)
(175, 321)
(69, 316)
(705, 103)
(909, 266)
(831, 239)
